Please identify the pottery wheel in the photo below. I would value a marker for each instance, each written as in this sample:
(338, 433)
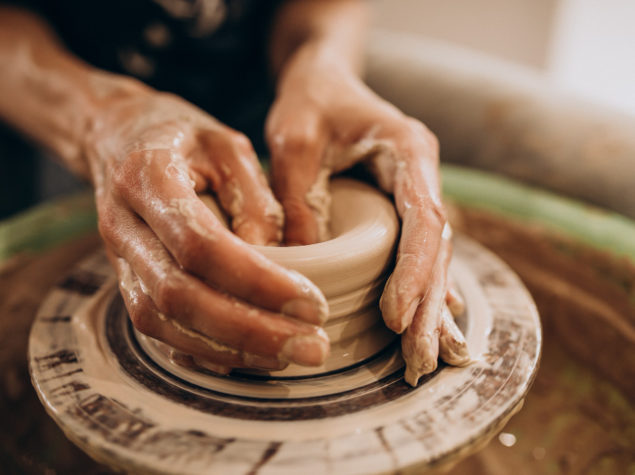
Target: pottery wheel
(129, 409)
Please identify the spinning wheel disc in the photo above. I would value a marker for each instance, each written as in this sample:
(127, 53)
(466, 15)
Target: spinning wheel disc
(129, 408)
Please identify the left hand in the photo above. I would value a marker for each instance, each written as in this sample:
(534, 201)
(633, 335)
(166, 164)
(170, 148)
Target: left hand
(323, 121)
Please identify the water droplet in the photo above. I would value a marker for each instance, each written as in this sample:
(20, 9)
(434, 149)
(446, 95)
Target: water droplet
(507, 439)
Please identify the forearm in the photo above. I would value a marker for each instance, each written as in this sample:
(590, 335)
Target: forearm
(48, 94)
(331, 32)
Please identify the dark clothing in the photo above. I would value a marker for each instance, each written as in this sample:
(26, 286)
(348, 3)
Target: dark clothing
(210, 52)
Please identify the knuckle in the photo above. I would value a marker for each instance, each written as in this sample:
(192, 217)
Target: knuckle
(289, 145)
(292, 142)
(122, 176)
(120, 179)
(107, 223)
(241, 141)
(430, 213)
(188, 249)
(436, 215)
(167, 293)
(296, 208)
(419, 131)
(143, 319)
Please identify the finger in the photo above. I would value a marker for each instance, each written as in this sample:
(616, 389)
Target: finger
(406, 164)
(421, 234)
(196, 309)
(452, 345)
(453, 299)
(211, 366)
(242, 189)
(148, 320)
(300, 181)
(201, 245)
(420, 247)
(188, 361)
(420, 341)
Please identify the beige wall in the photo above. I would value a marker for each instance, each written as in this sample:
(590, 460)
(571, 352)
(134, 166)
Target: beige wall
(586, 46)
(518, 30)
(593, 50)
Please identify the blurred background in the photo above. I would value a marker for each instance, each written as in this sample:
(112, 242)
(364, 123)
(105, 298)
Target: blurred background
(584, 46)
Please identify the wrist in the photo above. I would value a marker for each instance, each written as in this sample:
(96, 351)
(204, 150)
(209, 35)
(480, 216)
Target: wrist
(103, 92)
(313, 60)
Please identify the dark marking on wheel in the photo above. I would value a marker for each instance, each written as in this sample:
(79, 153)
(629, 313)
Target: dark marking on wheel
(386, 446)
(265, 457)
(56, 319)
(111, 418)
(82, 282)
(134, 362)
(63, 375)
(68, 388)
(56, 359)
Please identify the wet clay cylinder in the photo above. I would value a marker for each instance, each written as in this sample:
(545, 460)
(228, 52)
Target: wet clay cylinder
(350, 268)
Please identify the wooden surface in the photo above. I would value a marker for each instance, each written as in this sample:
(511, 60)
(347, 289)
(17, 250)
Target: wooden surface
(30, 442)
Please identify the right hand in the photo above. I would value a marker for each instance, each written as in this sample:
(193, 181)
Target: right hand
(185, 279)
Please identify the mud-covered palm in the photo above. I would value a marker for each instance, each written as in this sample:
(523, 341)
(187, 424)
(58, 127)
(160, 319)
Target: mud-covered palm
(325, 120)
(185, 279)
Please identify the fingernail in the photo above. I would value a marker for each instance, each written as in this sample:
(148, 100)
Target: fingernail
(213, 367)
(306, 350)
(462, 354)
(454, 353)
(452, 344)
(395, 320)
(307, 310)
(455, 302)
(414, 372)
(262, 362)
(408, 315)
(181, 359)
(456, 307)
(249, 232)
(420, 359)
(459, 345)
(311, 305)
(295, 243)
(411, 376)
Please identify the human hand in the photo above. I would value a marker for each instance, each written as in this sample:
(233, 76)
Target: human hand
(185, 279)
(323, 121)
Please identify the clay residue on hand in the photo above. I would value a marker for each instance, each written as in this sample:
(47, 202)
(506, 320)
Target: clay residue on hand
(213, 344)
(187, 209)
(318, 199)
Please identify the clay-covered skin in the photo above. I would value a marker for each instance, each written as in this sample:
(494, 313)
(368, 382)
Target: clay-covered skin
(185, 279)
(324, 120)
(147, 154)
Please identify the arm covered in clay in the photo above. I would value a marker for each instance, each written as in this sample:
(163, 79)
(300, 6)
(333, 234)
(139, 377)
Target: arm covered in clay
(185, 279)
(324, 120)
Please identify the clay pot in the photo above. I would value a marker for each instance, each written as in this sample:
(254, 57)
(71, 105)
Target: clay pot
(350, 269)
